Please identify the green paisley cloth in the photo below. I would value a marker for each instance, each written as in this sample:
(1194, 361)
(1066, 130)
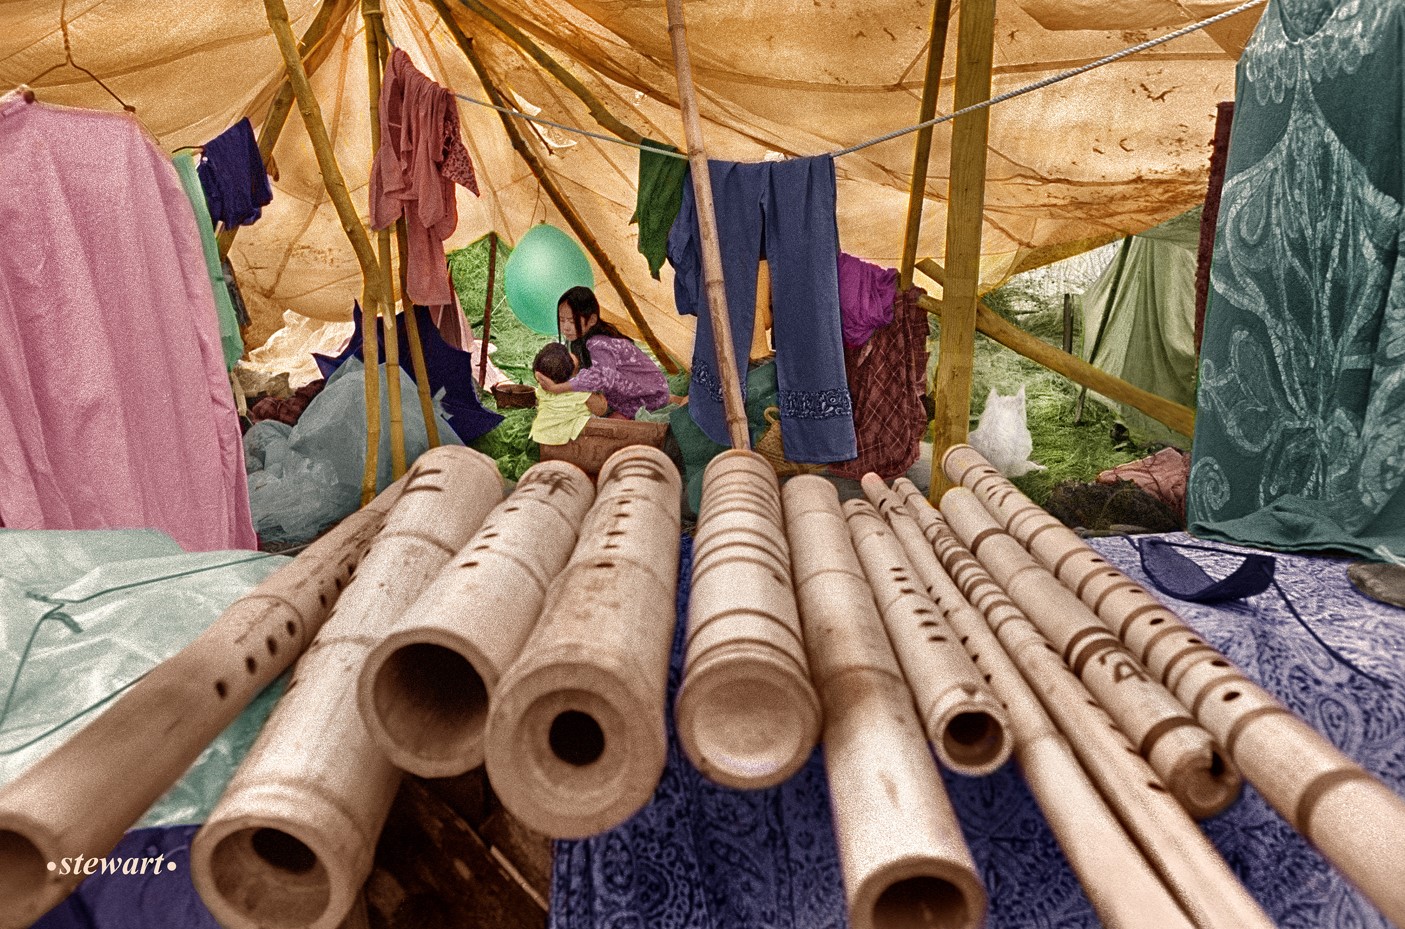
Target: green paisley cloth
(1300, 432)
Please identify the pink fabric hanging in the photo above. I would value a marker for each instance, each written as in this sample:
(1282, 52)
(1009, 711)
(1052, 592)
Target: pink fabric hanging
(115, 410)
(420, 159)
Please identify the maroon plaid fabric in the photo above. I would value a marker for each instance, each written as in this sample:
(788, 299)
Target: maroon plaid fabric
(886, 380)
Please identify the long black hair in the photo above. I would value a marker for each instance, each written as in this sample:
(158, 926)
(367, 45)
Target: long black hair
(583, 305)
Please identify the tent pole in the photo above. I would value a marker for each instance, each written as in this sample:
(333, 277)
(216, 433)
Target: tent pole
(732, 397)
(488, 306)
(922, 151)
(554, 193)
(534, 51)
(952, 384)
(335, 184)
(386, 312)
(988, 322)
(277, 117)
(376, 43)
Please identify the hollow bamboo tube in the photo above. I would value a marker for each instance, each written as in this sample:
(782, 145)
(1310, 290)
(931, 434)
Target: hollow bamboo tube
(1188, 864)
(1178, 748)
(424, 690)
(967, 726)
(901, 852)
(733, 393)
(290, 842)
(1357, 822)
(575, 742)
(82, 797)
(748, 716)
(1124, 890)
(553, 191)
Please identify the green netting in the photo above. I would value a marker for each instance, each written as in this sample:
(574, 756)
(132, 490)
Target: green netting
(85, 614)
(1142, 314)
(510, 444)
(516, 344)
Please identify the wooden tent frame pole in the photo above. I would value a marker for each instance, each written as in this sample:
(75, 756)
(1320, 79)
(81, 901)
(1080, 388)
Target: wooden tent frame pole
(517, 37)
(335, 184)
(553, 192)
(733, 400)
(386, 311)
(922, 150)
(377, 51)
(989, 323)
(488, 307)
(975, 47)
(277, 117)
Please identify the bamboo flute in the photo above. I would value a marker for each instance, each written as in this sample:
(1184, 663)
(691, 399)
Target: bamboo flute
(1126, 893)
(967, 726)
(82, 797)
(576, 741)
(1357, 822)
(1191, 868)
(901, 852)
(290, 843)
(748, 716)
(370, 20)
(424, 691)
(1181, 752)
(733, 395)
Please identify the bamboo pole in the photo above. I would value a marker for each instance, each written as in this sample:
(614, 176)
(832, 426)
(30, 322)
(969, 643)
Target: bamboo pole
(952, 383)
(376, 19)
(370, 368)
(335, 184)
(554, 193)
(370, 12)
(534, 51)
(277, 117)
(733, 396)
(488, 307)
(922, 150)
(990, 323)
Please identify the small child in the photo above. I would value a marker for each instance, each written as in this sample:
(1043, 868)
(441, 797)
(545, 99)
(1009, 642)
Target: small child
(560, 416)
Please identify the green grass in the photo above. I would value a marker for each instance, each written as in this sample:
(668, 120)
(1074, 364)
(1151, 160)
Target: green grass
(1069, 450)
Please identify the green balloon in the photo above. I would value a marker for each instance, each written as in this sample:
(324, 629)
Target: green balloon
(545, 263)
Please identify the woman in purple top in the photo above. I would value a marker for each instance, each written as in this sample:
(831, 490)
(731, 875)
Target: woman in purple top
(613, 368)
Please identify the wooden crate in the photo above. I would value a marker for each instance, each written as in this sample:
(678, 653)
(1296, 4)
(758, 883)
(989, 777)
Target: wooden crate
(601, 438)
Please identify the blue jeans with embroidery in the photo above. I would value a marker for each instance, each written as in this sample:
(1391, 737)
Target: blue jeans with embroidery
(783, 211)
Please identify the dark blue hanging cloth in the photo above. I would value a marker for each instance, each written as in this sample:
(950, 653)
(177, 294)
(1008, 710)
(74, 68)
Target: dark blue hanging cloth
(449, 369)
(785, 211)
(233, 175)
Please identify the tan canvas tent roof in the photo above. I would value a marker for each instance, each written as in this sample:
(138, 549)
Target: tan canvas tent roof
(1110, 152)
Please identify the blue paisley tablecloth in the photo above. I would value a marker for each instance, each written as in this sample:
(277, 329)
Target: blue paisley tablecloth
(706, 857)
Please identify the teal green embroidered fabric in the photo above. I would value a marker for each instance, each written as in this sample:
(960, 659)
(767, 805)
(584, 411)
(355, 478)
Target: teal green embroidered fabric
(231, 341)
(1300, 435)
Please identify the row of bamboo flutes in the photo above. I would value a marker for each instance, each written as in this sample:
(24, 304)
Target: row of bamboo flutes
(449, 626)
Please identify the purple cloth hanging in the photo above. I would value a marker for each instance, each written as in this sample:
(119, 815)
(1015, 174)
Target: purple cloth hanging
(866, 294)
(233, 175)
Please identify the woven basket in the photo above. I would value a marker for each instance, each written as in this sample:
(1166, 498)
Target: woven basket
(601, 438)
(514, 396)
(769, 447)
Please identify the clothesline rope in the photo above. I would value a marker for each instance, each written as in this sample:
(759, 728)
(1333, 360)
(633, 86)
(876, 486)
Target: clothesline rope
(897, 133)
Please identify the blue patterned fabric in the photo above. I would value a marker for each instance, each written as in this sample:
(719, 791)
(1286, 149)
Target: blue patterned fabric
(706, 857)
(1300, 431)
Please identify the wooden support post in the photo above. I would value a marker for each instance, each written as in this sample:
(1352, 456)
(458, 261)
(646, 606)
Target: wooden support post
(952, 389)
(412, 336)
(990, 323)
(335, 183)
(733, 399)
(922, 150)
(370, 17)
(553, 192)
(488, 306)
(277, 117)
(534, 51)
